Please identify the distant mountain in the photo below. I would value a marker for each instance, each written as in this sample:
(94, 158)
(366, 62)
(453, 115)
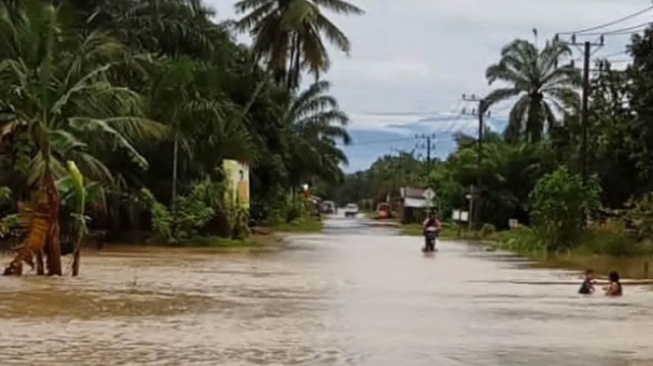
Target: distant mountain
(371, 142)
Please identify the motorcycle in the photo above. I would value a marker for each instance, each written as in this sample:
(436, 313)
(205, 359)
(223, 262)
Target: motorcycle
(430, 234)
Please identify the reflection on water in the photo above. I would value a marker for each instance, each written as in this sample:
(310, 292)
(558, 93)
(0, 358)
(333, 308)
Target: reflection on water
(351, 297)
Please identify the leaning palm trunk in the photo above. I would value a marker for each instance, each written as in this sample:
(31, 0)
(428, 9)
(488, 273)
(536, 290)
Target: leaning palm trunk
(43, 232)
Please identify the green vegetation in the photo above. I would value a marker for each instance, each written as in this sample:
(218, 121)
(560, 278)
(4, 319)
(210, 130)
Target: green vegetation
(300, 225)
(218, 242)
(147, 98)
(449, 232)
(565, 200)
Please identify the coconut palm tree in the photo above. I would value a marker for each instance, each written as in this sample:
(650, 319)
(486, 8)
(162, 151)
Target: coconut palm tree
(544, 89)
(316, 124)
(288, 34)
(54, 79)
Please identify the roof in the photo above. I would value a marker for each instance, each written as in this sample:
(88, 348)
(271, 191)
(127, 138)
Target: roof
(415, 202)
(412, 192)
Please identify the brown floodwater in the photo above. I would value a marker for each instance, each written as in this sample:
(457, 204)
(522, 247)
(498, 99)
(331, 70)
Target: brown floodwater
(353, 295)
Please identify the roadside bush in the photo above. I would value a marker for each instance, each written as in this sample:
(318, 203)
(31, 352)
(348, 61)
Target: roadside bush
(640, 216)
(561, 204)
(521, 240)
(615, 240)
(160, 216)
(487, 230)
(294, 208)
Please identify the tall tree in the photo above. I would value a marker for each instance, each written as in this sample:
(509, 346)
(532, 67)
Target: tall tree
(60, 91)
(544, 88)
(287, 34)
(316, 126)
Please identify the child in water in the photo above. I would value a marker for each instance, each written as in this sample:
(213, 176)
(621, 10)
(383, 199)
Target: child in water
(587, 288)
(614, 289)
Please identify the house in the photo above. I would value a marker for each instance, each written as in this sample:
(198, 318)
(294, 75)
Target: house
(414, 203)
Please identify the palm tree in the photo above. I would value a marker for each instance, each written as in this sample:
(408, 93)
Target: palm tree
(316, 124)
(61, 92)
(288, 34)
(161, 27)
(545, 90)
(181, 97)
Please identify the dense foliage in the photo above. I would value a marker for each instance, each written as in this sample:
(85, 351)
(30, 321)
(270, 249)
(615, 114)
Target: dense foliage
(147, 98)
(561, 204)
(530, 172)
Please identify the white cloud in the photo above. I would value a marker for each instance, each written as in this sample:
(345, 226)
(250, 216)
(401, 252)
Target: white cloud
(421, 55)
(362, 121)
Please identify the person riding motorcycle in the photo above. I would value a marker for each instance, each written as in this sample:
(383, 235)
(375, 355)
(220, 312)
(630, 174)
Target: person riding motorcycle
(429, 224)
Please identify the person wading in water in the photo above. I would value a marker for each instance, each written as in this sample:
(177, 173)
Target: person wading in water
(587, 288)
(614, 289)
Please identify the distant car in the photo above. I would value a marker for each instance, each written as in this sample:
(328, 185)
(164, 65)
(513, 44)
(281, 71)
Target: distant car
(328, 207)
(351, 210)
(383, 211)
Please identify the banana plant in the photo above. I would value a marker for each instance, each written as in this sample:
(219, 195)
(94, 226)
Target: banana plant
(74, 191)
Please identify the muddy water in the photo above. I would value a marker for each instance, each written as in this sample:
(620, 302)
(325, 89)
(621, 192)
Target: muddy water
(350, 296)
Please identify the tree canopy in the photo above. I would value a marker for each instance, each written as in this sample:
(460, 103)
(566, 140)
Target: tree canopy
(147, 98)
(543, 133)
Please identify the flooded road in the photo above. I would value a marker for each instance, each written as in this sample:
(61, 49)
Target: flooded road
(354, 295)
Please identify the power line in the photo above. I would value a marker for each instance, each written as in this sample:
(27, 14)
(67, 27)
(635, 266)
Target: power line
(620, 31)
(617, 21)
(620, 53)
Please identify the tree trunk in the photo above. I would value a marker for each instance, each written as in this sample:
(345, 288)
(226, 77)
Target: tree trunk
(53, 243)
(534, 123)
(175, 158)
(76, 260)
(40, 270)
(43, 233)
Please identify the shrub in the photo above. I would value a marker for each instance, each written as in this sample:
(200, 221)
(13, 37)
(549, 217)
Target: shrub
(561, 204)
(161, 218)
(615, 240)
(640, 216)
(520, 240)
(487, 230)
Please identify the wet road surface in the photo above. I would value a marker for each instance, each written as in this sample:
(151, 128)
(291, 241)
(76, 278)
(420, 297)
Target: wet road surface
(353, 295)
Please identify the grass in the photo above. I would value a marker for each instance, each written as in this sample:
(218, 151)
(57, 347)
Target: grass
(301, 225)
(218, 242)
(602, 249)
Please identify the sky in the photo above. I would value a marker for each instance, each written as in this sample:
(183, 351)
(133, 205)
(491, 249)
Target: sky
(412, 60)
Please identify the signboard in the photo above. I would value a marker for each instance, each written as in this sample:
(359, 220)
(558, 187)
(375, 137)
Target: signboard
(428, 195)
(458, 215)
(237, 176)
(513, 223)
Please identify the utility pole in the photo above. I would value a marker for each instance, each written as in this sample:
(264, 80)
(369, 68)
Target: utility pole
(428, 143)
(480, 112)
(472, 193)
(584, 113)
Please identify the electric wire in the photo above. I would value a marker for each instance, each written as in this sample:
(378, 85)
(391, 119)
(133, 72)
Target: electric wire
(620, 31)
(604, 25)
